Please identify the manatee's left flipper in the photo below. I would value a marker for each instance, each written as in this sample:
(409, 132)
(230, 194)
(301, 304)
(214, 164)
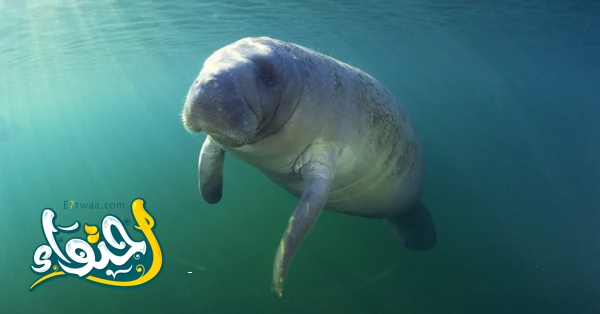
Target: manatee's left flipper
(317, 183)
(210, 171)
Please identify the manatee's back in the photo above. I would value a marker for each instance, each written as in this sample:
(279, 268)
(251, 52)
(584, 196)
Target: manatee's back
(381, 162)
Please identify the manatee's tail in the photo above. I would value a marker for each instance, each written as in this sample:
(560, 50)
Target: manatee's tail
(413, 228)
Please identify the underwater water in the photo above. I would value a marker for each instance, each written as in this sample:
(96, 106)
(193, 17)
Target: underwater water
(505, 98)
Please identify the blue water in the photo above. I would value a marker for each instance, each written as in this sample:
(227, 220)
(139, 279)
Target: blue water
(505, 97)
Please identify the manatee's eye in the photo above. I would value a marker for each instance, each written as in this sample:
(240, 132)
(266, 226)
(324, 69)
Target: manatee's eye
(266, 72)
(212, 83)
(268, 75)
(268, 81)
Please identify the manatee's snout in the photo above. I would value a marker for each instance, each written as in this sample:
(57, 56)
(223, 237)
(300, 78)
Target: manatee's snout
(244, 92)
(222, 102)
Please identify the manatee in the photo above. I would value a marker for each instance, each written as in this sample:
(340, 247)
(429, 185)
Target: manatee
(325, 131)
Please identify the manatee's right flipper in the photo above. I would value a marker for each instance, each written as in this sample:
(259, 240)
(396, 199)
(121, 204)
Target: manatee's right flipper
(210, 171)
(317, 183)
(413, 228)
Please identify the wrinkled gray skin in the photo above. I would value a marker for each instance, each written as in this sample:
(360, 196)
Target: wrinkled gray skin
(325, 131)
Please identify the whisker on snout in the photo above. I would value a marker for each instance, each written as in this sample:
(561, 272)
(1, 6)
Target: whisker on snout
(188, 123)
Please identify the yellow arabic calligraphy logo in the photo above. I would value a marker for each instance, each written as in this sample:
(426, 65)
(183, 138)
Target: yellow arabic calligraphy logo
(81, 252)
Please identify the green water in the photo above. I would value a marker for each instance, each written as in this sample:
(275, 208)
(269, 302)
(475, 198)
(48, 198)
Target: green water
(504, 97)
